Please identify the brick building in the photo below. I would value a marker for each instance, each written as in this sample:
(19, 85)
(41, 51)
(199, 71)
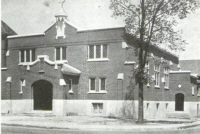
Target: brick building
(89, 72)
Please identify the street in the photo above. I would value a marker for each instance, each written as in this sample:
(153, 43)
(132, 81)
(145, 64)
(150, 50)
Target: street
(31, 130)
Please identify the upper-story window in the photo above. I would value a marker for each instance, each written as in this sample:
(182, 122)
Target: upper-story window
(102, 84)
(157, 75)
(98, 52)
(166, 77)
(147, 71)
(60, 53)
(26, 55)
(92, 84)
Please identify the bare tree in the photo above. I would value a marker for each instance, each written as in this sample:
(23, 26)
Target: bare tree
(151, 22)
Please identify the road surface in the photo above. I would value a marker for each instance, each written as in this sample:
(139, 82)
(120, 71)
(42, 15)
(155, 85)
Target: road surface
(31, 130)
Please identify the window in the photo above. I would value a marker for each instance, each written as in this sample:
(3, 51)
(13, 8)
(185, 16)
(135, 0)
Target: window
(27, 55)
(157, 75)
(147, 71)
(70, 84)
(60, 53)
(166, 77)
(98, 52)
(193, 89)
(97, 108)
(102, 84)
(22, 83)
(92, 82)
(198, 91)
(99, 88)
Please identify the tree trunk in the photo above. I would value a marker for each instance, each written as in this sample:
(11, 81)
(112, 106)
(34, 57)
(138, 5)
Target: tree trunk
(140, 106)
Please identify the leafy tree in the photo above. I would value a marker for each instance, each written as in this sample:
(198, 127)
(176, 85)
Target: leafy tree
(151, 22)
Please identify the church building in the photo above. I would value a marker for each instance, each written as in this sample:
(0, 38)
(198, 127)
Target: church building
(67, 71)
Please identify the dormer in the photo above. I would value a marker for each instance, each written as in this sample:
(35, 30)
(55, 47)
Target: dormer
(61, 18)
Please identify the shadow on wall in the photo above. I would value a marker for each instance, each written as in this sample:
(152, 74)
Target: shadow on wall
(128, 108)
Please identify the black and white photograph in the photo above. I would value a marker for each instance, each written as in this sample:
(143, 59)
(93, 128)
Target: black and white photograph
(100, 66)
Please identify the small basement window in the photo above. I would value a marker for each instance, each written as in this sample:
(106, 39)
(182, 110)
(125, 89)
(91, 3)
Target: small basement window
(97, 108)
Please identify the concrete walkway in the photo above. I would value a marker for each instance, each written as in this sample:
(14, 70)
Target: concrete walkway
(95, 123)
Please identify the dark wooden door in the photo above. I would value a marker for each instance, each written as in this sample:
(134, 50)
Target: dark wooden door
(179, 102)
(42, 95)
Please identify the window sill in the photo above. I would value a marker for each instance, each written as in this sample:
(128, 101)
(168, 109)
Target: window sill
(106, 59)
(61, 61)
(157, 87)
(198, 95)
(167, 88)
(25, 63)
(101, 92)
(71, 92)
(3, 69)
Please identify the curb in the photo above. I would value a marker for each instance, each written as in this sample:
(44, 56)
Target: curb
(106, 129)
(189, 126)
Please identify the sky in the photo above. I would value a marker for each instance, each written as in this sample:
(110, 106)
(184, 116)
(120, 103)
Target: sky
(34, 16)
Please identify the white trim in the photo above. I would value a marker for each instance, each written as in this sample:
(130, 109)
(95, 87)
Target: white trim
(96, 29)
(9, 79)
(129, 62)
(105, 59)
(94, 92)
(95, 49)
(193, 89)
(124, 45)
(25, 56)
(101, 48)
(4, 68)
(7, 53)
(27, 35)
(31, 55)
(120, 76)
(62, 82)
(19, 56)
(46, 59)
(178, 72)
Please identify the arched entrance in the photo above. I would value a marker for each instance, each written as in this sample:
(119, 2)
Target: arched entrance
(42, 95)
(179, 102)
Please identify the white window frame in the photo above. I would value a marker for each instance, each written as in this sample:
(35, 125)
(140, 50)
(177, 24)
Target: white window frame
(22, 83)
(61, 52)
(100, 84)
(147, 69)
(157, 75)
(101, 54)
(25, 52)
(193, 89)
(166, 77)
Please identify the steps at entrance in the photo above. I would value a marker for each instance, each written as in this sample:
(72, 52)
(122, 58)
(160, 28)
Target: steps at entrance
(178, 115)
(39, 114)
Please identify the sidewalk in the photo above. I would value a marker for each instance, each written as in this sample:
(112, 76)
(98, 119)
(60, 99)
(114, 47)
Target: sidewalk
(94, 123)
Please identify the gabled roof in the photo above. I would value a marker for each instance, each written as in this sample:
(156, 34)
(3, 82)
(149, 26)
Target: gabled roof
(6, 30)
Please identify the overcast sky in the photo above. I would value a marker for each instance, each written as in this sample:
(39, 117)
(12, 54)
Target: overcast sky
(33, 16)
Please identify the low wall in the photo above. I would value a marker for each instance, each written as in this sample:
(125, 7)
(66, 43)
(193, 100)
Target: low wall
(16, 106)
(112, 108)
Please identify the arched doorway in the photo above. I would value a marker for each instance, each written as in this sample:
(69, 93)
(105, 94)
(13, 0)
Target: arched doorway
(42, 95)
(179, 102)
